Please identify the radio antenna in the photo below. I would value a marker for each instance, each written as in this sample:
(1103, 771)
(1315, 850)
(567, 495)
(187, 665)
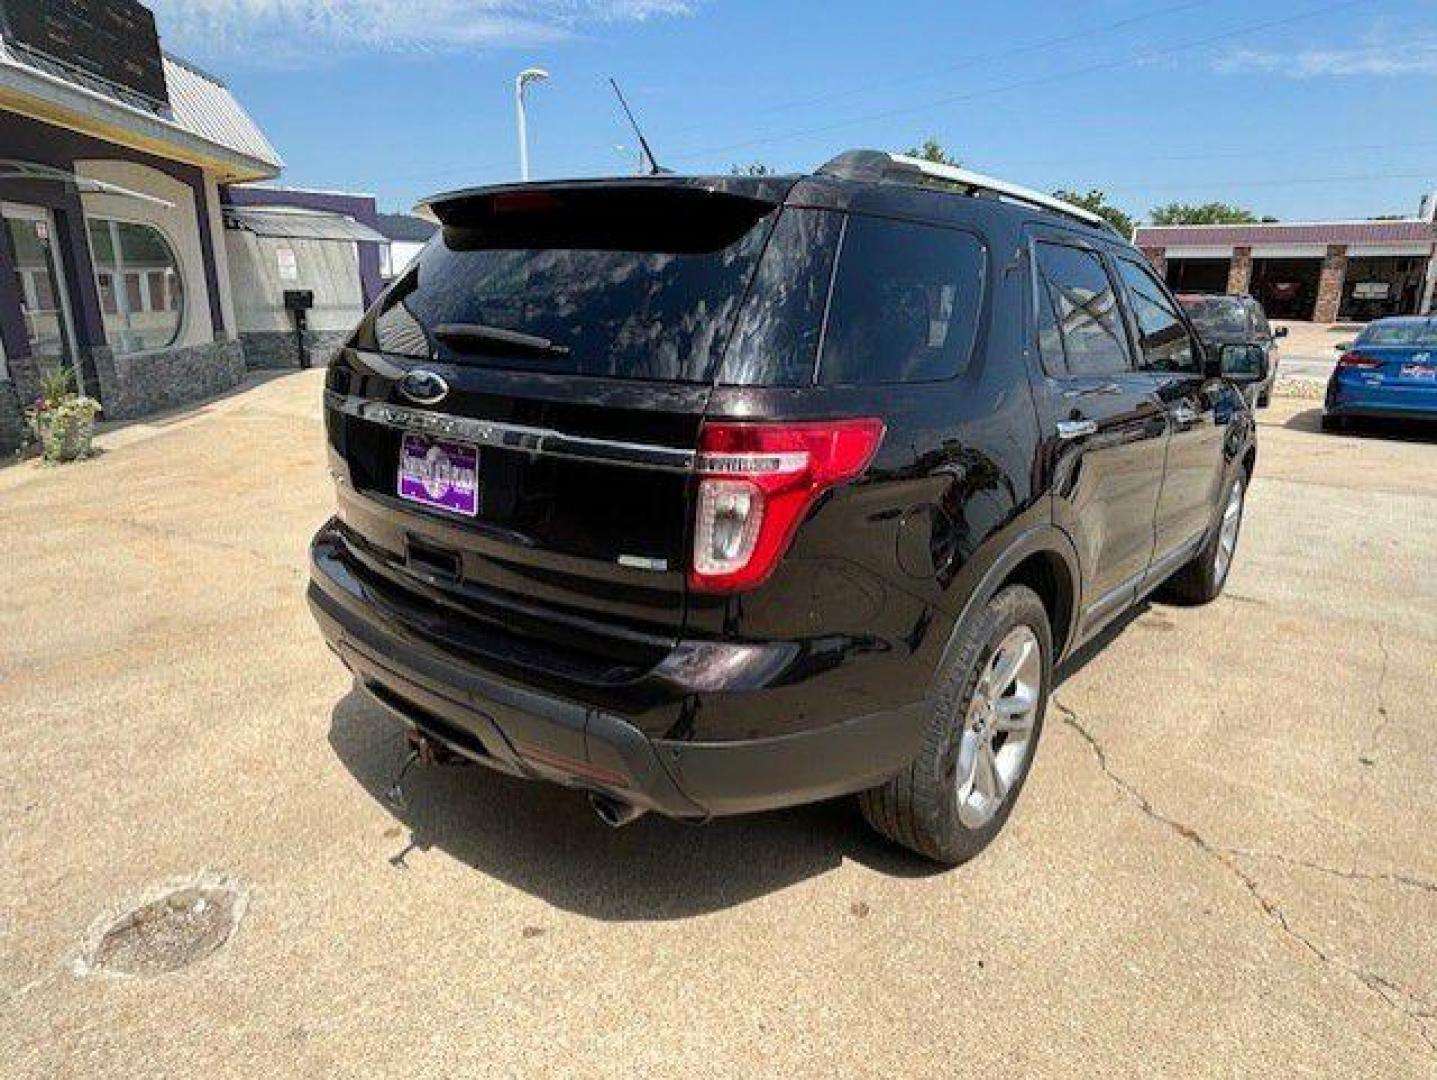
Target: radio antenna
(655, 168)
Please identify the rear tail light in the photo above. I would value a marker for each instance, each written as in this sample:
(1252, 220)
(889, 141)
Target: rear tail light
(756, 483)
(1357, 360)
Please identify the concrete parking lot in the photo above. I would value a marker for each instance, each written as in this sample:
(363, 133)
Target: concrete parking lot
(1224, 863)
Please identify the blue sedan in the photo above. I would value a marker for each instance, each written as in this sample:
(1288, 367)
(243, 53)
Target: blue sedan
(1390, 370)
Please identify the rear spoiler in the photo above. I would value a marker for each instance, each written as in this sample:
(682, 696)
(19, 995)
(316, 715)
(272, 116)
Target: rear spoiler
(471, 206)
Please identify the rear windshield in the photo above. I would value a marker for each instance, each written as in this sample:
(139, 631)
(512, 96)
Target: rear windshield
(630, 285)
(1218, 317)
(667, 285)
(1421, 334)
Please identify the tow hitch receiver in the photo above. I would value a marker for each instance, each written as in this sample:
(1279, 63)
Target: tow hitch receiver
(422, 751)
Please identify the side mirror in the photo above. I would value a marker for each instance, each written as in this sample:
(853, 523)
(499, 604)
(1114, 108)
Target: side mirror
(1280, 332)
(1243, 363)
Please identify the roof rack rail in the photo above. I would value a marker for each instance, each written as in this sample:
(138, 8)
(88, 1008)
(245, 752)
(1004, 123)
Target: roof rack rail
(877, 166)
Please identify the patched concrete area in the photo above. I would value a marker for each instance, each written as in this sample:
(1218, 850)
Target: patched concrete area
(1223, 864)
(172, 928)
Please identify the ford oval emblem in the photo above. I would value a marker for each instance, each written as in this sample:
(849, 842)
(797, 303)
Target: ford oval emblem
(424, 387)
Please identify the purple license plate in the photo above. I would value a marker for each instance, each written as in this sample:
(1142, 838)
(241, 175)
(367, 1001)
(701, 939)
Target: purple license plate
(439, 473)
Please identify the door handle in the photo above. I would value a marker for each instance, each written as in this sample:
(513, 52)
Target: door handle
(1076, 429)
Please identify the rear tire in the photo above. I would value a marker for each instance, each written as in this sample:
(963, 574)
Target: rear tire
(985, 718)
(1201, 581)
(1333, 423)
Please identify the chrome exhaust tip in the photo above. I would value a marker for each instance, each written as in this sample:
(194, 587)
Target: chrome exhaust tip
(614, 813)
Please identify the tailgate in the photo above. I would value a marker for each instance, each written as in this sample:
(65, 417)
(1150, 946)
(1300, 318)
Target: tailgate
(515, 422)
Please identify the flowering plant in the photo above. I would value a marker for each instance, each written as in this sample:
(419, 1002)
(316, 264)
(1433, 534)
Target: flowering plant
(63, 421)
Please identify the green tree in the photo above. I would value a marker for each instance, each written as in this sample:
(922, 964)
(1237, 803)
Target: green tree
(753, 168)
(1097, 202)
(932, 150)
(1213, 213)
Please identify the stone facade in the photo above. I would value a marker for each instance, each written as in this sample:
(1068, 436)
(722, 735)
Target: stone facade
(12, 420)
(131, 387)
(1239, 274)
(1158, 257)
(279, 351)
(135, 386)
(1329, 286)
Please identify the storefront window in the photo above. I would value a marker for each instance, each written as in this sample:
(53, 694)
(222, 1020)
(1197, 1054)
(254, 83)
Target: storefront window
(142, 295)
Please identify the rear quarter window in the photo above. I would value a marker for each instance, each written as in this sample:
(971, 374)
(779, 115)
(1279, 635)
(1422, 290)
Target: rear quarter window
(905, 303)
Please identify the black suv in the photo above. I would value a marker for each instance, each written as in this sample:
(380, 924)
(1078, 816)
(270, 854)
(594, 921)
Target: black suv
(709, 495)
(1236, 320)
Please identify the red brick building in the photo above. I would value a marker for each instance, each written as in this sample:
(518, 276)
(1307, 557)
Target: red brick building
(1319, 271)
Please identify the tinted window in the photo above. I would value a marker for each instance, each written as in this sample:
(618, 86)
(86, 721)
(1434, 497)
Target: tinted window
(1163, 338)
(776, 340)
(1080, 309)
(1218, 318)
(905, 303)
(1399, 332)
(1259, 320)
(633, 285)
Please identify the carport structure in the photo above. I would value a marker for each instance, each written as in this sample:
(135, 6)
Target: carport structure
(1318, 271)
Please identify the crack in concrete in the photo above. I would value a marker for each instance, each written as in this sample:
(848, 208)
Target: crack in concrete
(1367, 755)
(1376, 877)
(1394, 996)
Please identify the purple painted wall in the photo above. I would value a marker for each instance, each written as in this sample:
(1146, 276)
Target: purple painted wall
(24, 139)
(360, 207)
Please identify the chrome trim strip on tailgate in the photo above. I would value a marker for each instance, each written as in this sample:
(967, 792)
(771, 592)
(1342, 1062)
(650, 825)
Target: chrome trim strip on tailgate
(513, 436)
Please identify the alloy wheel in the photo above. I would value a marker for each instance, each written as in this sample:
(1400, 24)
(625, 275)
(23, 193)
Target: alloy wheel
(997, 737)
(1227, 533)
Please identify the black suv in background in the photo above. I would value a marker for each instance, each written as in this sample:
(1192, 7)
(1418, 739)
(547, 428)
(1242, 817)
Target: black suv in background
(1236, 320)
(710, 495)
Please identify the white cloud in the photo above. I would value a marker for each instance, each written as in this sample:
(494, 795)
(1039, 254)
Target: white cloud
(1413, 56)
(282, 31)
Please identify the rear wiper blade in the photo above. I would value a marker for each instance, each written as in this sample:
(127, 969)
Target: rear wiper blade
(468, 335)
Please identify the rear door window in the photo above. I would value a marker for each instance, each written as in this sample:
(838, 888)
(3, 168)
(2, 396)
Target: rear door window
(1080, 328)
(1163, 339)
(906, 301)
(630, 285)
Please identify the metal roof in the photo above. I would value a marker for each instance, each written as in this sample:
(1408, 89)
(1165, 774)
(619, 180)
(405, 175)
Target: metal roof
(283, 222)
(1408, 231)
(205, 106)
(203, 123)
(406, 228)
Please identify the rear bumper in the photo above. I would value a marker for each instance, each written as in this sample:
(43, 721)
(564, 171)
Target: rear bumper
(1346, 397)
(1375, 409)
(535, 734)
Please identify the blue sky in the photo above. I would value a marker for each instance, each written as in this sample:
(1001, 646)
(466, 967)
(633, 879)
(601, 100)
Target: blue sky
(1298, 108)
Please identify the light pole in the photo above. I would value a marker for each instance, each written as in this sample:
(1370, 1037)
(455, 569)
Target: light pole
(522, 80)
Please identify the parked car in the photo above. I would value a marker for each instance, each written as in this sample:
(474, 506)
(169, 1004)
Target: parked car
(1390, 370)
(714, 495)
(1236, 320)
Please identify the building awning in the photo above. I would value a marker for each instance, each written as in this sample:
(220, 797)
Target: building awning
(301, 225)
(27, 170)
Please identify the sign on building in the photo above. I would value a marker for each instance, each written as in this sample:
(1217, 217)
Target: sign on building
(288, 264)
(114, 40)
